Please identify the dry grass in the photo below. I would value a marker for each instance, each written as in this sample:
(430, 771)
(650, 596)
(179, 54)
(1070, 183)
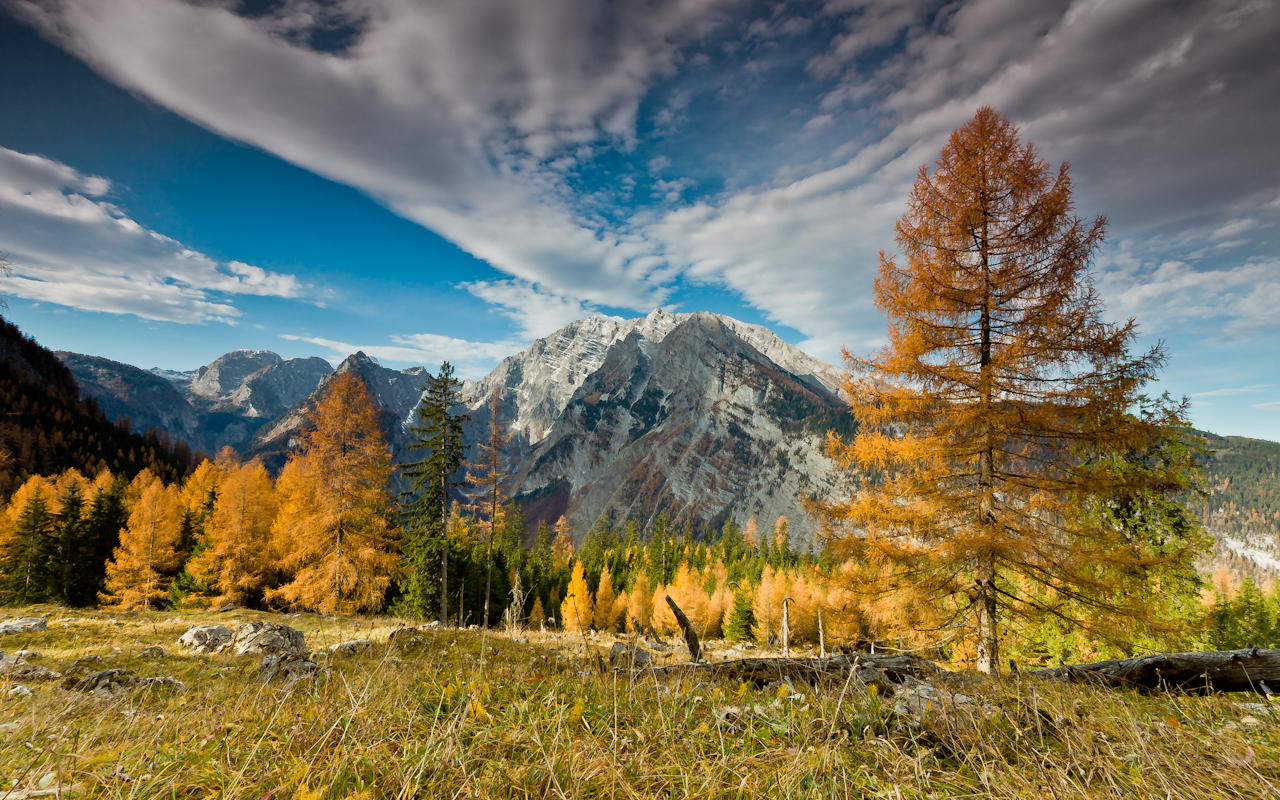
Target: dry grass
(532, 721)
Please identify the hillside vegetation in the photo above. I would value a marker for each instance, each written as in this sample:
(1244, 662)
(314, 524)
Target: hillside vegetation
(450, 714)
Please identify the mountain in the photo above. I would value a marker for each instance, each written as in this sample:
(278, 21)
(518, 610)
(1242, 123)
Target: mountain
(699, 415)
(395, 392)
(222, 404)
(48, 427)
(1242, 509)
(146, 400)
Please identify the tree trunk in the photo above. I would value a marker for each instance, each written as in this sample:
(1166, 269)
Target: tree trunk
(690, 637)
(867, 666)
(988, 659)
(444, 551)
(1251, 670)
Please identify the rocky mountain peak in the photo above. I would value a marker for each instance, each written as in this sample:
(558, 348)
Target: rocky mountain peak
(227, 372)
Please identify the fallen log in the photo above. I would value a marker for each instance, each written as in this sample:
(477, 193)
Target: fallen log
(1250, 670)
(868, 668)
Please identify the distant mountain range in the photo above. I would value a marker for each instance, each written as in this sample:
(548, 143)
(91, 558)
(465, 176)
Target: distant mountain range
(697, 415)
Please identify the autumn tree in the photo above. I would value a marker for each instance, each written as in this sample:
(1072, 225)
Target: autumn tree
(439, 434)
(332, 536)
(605, 612)
(147, 556)
(990, 425)
(236, 560)
(575, 611)
(488, 481)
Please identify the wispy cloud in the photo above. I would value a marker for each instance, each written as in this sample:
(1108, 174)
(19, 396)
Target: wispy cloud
(72, 248)
(1231, 392)
(470, 359)
(1275, 406)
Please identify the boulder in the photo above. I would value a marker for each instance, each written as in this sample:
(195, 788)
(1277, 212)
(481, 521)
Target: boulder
(23, 625)
(267, 639)
(18, 690)
(205, 638)
(152, 652)
(290, 668)
(405, 637)
(353, 648)
(115, 681)
(225, 607)
(29, 672)
(629, 657)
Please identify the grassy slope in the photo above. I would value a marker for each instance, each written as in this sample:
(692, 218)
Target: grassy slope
(540, 720)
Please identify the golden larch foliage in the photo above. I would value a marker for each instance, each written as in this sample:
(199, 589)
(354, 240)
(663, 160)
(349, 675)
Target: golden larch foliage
(536, 614)
(639, 604)
(139, 571)
(992, 424)
(605, 609)
(236, 561)
(767, 606)
(575, 611)
(332, 538)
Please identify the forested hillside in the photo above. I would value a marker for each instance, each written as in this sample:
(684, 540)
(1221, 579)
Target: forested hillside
(47, 428)
(1242, 509)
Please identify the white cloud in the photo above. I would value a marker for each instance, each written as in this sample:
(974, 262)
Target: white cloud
(470, 359)
(467, 117)
(456, 115)
(1231, 392)
(73, 250)
(1268, 406)
(537, 313)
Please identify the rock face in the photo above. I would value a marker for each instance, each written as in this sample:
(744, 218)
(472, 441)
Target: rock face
(226, 373)
(691, 414)
(274, 389)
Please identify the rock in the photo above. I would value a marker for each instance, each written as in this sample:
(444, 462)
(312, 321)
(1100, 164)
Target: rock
(433, 624)
(23, 625)
(115, 681)
(353, 648)
(405, 637)
(30, 672)
(267, 638)
(205, 638)
(84, 666)
(629, 657)
(225, 607)
(18, 690)
(291, 667)
(152, 652)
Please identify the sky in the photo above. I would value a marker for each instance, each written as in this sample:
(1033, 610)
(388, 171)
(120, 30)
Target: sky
(450, 179)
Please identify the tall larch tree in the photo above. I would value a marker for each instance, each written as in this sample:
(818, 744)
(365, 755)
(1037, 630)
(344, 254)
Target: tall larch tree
(236, 560)
(332, 534)
(991, 422)
(575, 611)
(488, 480)
(605, 610)
(147, 556)
(439, 437)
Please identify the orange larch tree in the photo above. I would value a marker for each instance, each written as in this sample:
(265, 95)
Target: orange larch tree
(331, 535)
(989, 426)
(236, 561)
(139, 571)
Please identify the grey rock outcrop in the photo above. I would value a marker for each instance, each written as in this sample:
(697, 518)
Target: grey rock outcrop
(205, 638)
(289, 667)
(267, 638)
(225, 374)
(623, 656)
(354, 647)
(23, 625)
(149, 401)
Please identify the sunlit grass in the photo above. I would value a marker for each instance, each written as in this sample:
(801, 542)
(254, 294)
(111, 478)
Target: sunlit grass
(542, 720)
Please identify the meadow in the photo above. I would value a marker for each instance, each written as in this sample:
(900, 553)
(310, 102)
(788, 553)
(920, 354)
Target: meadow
(454, 713)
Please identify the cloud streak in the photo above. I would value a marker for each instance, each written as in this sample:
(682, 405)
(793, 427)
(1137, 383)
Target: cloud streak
(72, 248)
(470, 359)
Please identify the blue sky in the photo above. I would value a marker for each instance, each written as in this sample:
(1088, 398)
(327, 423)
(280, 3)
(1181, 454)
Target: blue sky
(430, 180)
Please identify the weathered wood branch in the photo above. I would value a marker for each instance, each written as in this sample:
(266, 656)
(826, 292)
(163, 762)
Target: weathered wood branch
(690, 637)
(869, 668)
(1251, 670)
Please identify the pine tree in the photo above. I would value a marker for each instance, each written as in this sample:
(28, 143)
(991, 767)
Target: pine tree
(575, 611)
(26, 559)
(107, 515)
(139, 570)
(741, 621)
(439, 433)
(994, 416)
(73, 552)
(334, 543)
